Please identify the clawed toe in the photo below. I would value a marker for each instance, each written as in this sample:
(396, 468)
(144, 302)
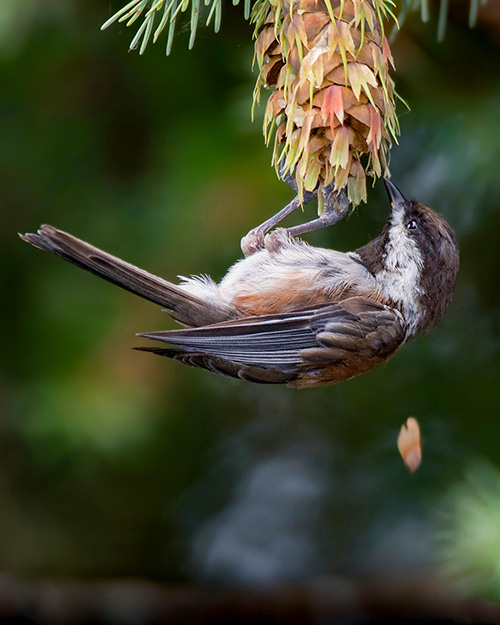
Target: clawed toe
(252, 242)
(336, 204)
(276, 240)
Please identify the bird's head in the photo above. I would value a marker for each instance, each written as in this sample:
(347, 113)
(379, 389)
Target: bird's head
(420, 259)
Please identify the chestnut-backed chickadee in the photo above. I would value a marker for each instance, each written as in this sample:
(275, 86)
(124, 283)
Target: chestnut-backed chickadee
(295, 314)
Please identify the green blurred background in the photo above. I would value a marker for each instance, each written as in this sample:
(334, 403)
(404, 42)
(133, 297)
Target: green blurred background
(115, 463)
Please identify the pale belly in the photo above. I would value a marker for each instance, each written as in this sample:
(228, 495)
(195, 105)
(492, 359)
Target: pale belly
(297, 277)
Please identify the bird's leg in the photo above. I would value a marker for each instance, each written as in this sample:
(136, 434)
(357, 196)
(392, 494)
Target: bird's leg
(335, 208)
(254, 240)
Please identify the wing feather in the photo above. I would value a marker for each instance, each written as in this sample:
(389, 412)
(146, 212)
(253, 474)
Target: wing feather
(319, 345)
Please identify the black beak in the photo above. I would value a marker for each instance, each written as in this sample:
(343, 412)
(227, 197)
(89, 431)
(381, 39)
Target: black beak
(395, 195)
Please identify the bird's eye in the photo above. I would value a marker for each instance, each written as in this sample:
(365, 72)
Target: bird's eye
(412, 225)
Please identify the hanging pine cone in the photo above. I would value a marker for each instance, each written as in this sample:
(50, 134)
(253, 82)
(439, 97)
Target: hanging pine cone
(333, 104)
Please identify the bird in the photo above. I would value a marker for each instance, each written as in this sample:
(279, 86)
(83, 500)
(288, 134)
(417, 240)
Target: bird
(291, 313)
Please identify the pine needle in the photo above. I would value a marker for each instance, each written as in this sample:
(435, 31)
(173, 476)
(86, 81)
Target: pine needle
(195, 12)
(171, 29)
(424, 10)
(147, 25)
(163, 21)
(147, 9)
(119, 14)
(474, 6)
(443, 16)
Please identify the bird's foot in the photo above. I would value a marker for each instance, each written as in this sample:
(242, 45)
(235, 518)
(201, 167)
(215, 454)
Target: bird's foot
(277, 240)
(335, 207)
(253, 241)
(335, 204)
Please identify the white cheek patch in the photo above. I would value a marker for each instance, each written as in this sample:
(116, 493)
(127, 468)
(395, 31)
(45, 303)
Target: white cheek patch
(400, 278)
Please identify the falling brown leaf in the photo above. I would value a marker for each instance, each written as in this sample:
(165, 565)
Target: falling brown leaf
(409, 444)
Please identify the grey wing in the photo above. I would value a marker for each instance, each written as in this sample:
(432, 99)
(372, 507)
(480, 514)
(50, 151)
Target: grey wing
(294, 348)
(358, 325)
(360, 335)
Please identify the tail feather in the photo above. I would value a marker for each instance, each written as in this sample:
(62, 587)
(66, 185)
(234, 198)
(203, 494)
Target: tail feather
(181, 305)
(225, 366)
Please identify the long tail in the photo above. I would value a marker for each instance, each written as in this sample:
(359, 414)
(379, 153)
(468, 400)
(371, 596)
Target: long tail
(181, 305)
